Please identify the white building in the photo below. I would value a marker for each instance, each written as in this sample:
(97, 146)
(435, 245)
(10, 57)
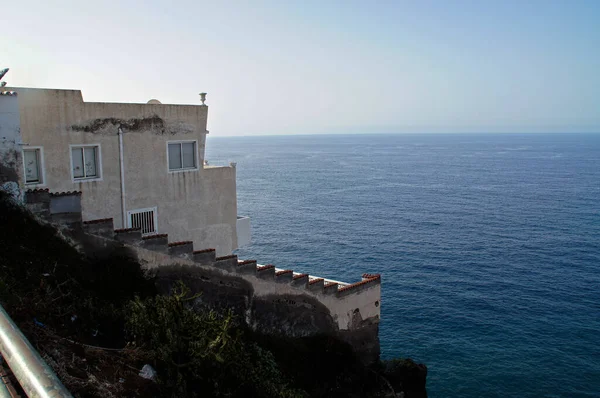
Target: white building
(140, 164)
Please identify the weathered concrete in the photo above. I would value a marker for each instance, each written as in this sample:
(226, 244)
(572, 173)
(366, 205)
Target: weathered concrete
(181, 249)
(206, 256)
(217, 289)
(291, 315)
(38, 202)
(227, 263)
(330, 288)
(158, 243)
(285, 276)
(300, 281)
(243, 231)
(266, 272)
(316, 285)
(65, 203)
(129, 235)
(247, 267)
(197, 204)
(11, 161)
(103, 227)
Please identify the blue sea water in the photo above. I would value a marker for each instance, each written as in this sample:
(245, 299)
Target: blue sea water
(488, 245)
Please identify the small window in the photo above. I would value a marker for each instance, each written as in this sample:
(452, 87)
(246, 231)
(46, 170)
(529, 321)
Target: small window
(32, 162)
(85, 161)
(182, 155)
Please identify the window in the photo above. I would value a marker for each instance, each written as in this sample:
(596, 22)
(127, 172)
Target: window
(33, 160)
(85, 162)
(145, 219)
(182, 155)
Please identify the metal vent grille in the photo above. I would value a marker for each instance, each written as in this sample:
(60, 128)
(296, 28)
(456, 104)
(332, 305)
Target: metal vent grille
(145, 219)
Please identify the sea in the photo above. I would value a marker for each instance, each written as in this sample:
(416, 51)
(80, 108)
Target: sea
(488, 245)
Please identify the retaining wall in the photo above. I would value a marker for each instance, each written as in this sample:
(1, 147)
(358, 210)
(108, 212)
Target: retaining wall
(271, 301)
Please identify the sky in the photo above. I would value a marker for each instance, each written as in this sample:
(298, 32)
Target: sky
(309, 67)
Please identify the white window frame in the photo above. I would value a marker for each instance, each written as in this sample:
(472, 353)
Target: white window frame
(98, 163)
(147, 209)
(42, 168)
(196, 167)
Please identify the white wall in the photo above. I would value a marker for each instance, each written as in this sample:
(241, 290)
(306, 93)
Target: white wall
(10, 139)
(198, 205)
(243, 231)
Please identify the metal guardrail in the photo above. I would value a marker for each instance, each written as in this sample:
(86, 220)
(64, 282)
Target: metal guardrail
(31, 371)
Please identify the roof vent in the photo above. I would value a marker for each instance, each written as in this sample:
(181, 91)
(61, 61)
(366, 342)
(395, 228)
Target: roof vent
(154, 102)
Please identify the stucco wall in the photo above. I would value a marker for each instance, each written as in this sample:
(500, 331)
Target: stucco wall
(243, 231)
(343, 311)
(198, 205)
(10, 138)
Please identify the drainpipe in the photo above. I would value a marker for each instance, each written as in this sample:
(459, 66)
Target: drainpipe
(121, 162)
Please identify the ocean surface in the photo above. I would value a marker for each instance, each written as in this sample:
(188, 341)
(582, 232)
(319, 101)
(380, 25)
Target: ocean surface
(488, 245)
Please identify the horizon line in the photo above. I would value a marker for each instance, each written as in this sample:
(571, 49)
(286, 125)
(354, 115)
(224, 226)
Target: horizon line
(410, 133)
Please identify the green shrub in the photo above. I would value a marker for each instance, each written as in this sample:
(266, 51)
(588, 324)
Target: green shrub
(201, 353)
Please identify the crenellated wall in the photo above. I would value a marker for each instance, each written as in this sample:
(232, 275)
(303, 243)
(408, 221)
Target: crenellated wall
(270, 300)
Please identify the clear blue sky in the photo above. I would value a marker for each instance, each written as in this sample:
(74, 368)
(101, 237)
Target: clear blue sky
(286, 67)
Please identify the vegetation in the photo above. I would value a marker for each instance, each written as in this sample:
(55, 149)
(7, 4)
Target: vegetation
(96, 319)
(197, 352)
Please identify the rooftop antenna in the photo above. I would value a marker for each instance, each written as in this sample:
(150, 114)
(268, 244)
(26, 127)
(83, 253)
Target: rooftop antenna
(2, 73)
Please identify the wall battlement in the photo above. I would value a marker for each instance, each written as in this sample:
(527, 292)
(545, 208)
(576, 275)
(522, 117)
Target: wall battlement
(271, 300)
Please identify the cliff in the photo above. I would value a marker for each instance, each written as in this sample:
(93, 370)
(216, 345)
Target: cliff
(97, 317)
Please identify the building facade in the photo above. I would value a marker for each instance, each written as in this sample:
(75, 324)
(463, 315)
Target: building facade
(140, 164)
